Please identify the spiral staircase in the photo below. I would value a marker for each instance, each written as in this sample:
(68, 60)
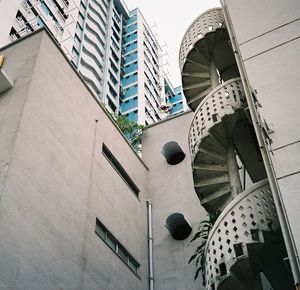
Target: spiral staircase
(221, 132)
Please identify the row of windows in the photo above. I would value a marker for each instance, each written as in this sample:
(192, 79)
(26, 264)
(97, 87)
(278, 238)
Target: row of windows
(153, 77)
(115, 56)
(175, 98)
(96, 47)
(46, 9)
(129, 104)
(113, 66)
(131, 28)
(177, 107)
(148, 36)
(151, 52)
(93, 57)
(98, 14)
(100, 7)
(130, 91)
(130, 37)
(96, 23)
(114, 44)
(111, 104)
(91, 84)
(151, 84)
(91, 30)
(116, 16)
(150, 96)
(112, 78)
(116, 246)
(132, 116)
(130, 68)
(130, 57)
(130, 47)
(112, 91)
(116, 26)
(20, 17)
(115, 35)
(91, 69)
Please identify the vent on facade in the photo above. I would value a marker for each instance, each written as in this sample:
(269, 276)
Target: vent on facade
(178, 226)
(173, 153)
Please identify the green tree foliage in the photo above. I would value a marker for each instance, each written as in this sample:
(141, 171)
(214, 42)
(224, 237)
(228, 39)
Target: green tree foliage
(202, 236)
(132, 130)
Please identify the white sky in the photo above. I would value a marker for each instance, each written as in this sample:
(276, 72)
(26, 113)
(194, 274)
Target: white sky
(170, 20)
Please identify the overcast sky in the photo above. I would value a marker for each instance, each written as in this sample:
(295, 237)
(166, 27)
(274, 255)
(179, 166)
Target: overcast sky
(170, 20)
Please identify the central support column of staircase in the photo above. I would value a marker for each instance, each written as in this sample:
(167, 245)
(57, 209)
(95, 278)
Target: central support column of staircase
(233, 173)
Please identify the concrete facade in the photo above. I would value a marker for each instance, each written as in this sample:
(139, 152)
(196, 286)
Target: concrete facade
(55, 182)
(270, 52)
(170, 188)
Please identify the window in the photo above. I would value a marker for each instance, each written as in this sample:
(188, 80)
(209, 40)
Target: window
(114, 55)
(111, 104)
(115, 245)
(14, 34)
(113, 66)
(119, 168)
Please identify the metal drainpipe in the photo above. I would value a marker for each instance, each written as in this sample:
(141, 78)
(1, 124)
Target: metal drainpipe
(282, 215)
(150, 245)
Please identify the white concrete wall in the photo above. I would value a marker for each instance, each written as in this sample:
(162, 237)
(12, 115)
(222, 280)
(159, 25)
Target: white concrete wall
(268, 33)
(170, 188)
(58, 181)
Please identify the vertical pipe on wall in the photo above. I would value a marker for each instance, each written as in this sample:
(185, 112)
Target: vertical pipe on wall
(150, 245)
(233, 171)
(282, 215)
(214, 77)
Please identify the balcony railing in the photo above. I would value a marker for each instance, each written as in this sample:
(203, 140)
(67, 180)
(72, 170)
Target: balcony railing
(222, 101)
(207, 22)
(244, 221)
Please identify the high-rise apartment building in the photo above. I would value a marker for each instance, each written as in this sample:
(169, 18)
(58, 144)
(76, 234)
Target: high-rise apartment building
(97, 48)
(114, 49)
(141, 79)
(19, 18)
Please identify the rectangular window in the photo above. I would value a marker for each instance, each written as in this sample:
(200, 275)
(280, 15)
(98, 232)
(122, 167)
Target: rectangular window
(119, 168)
(115, 245)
